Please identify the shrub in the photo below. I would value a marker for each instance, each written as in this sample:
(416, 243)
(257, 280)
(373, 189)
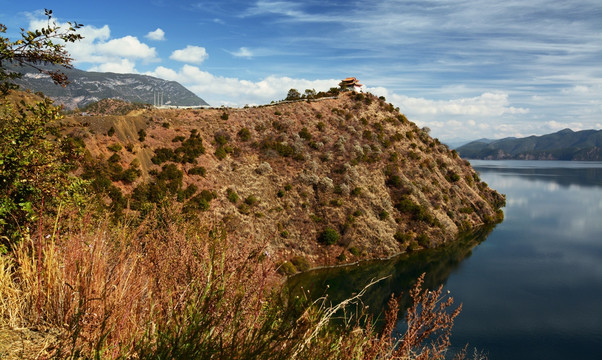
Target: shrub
(114, 147)
(402, 237)
(220, 153)
(111, 131)
(329, 236)
(232, 195)
(423, 240)
(452, 176)
(113, 159)
(224, 116)
(394, 181)
(304, 134)
(197, 170)
(162, 155)
(354, 251)
(166, 125)
(251, 200)
(287, 268)
(191, 148)
(301, 263)
(141, 135)
(383, 215)
(244, 134)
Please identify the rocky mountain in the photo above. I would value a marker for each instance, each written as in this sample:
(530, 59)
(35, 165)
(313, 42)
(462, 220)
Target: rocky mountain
(318, 182)
(563, 145)
(86, 87)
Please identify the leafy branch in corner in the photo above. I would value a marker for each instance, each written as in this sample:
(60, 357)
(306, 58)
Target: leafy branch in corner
(35, 48)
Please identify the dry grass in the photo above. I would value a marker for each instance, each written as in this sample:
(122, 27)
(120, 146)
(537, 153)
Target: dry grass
(164, 288)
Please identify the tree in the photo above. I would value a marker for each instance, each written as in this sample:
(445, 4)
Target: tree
(34, 160)
(293, 94)
(310, 93)
(37, 47)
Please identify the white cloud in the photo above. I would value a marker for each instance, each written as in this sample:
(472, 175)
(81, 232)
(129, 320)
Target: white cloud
(191, 54)
(128, 47)
(157, 35)
(486, 104)
(97, 47)
(220, 90)
(243, 52)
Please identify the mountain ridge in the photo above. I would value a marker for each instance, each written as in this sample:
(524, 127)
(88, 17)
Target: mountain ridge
(86, 87)
(566, 144)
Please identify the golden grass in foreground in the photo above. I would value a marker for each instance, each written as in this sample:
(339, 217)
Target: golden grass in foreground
(167, 290)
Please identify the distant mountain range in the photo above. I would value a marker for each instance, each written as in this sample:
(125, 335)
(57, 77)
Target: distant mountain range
(86, 87)
(563, 145)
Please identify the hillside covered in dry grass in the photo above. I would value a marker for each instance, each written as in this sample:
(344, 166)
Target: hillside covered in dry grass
(321, 182)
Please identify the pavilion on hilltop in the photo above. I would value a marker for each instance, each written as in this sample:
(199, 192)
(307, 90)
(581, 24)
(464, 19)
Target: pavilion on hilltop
(351, 83)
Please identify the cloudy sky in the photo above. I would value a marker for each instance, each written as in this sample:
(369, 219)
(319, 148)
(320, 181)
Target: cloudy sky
(465, 68)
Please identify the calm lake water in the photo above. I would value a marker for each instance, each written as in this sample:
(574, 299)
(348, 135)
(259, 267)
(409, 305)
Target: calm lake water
(531, 287)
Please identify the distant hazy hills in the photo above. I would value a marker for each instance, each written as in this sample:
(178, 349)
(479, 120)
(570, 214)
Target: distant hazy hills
(563, 145)
(88, 87)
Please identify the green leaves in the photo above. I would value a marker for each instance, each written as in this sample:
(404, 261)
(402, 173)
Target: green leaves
(34, 164)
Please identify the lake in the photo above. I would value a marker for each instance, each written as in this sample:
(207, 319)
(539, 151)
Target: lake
(531, 287)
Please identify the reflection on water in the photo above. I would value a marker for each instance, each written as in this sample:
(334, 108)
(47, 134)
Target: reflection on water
(401, 272)
(533, 289)
(563, 173)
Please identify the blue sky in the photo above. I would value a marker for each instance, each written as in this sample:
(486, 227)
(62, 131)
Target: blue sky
(465, 68)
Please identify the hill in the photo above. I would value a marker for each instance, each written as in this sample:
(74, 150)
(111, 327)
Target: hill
(322, 182)
(87, 87)
(563, 145)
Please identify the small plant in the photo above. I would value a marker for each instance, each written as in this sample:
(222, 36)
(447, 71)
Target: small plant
(244, 134)
(423, 240)
(280, 193)
(329, 236)
(141, 135)
(232, 196)
(354, 251)
(301, 263)
(166, 125)
(197, 170)
(336, 202)
(452, 176)
(304, 134)
(287, 268)
(224, 116)
(111, 131)
(402, 237)
(114, 147)
(383, 215)
(251, 200)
